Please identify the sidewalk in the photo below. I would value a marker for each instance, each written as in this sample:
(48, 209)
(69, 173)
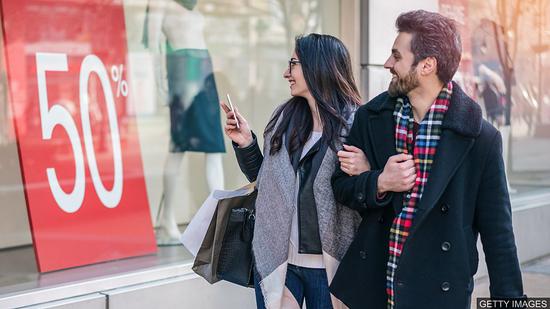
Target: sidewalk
(536, 280)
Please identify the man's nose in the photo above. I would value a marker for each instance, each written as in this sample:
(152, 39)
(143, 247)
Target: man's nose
(388, 64)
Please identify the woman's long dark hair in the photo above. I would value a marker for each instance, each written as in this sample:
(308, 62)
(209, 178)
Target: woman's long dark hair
(326, 66)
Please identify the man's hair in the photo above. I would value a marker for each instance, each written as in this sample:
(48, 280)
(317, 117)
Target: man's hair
(433, 35)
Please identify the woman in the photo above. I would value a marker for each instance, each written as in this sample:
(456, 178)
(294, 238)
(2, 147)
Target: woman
(301, 234)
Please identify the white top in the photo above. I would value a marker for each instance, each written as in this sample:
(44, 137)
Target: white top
(295, 258)
(182, 28)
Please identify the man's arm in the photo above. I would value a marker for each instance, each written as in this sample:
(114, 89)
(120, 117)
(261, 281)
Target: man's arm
(358, 192)
(493, 219)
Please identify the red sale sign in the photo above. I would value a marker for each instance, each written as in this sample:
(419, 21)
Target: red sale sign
(78, 146)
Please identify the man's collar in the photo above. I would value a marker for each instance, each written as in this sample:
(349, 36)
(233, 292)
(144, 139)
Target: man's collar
(464, 115)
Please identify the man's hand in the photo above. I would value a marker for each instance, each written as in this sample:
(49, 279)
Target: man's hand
(353, 160)
(399, 174)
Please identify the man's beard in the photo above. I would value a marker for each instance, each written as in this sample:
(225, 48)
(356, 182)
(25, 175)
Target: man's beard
(402, 86)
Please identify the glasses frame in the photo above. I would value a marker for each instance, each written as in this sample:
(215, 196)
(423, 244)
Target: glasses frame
(292, 62)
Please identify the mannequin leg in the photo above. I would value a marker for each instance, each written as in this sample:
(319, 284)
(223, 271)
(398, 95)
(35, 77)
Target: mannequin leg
(168, 232)
(214, 171)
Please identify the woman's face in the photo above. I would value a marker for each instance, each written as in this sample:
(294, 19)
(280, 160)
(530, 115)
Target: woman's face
(295, 76)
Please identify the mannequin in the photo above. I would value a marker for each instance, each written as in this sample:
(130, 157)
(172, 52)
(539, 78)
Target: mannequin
(193, 100)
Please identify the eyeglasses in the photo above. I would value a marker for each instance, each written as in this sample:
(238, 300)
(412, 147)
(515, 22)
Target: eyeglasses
(292, 62)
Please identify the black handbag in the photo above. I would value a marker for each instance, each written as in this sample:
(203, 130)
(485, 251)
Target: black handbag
(235, 262)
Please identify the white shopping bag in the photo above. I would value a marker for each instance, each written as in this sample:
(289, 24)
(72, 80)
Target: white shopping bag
(194, 234)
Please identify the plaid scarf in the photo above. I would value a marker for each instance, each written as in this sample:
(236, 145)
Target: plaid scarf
(423, 151)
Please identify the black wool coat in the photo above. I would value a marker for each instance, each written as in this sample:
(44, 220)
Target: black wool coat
(466, 196)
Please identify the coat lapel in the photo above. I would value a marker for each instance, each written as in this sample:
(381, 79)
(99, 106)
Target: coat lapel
(451, 151)
(461, 126)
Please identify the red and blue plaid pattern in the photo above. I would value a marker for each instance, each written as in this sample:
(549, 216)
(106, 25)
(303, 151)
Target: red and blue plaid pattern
(423, 150)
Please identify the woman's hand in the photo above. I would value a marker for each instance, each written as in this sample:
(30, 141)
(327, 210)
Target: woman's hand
(242, 136)
(353, 161)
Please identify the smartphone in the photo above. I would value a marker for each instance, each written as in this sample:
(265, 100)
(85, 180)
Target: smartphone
(233, 110)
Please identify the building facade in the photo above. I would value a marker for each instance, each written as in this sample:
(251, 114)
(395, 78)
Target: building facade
(158, 52)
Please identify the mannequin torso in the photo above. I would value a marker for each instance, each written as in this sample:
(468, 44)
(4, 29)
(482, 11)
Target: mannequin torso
(182, 28)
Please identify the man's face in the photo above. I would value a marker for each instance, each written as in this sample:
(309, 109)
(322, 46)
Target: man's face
(400, 64)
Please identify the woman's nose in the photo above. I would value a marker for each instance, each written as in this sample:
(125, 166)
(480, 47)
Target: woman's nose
(286, 73)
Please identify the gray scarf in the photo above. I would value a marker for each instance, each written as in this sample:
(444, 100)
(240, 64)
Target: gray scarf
(275, 207)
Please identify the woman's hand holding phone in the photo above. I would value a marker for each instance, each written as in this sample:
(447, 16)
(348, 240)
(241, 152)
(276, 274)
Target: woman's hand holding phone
(236, 127)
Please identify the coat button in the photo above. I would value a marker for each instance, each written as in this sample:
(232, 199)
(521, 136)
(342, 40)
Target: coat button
(360, 196)
(445, 208)
(446, 246)
(445, 286)
(380, 219)
(363, 254)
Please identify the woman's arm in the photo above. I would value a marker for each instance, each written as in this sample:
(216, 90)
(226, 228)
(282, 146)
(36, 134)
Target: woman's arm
(245, 143)
(250, 159)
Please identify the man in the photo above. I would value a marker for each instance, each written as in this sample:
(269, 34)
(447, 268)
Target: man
(436, 181)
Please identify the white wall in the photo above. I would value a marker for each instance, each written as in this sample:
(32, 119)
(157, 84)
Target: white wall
(382, 16)
(381, 34)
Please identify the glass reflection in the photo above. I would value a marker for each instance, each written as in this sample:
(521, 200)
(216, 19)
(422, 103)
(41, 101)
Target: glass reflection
(504, 67)
(192, 99)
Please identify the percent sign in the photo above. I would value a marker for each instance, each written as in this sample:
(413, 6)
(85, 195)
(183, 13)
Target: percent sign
(122, 85)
